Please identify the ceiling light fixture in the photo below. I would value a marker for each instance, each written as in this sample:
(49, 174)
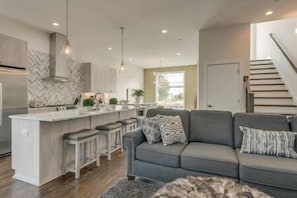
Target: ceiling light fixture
(66, 48)
(122, 63)
(178, 53)
(269, 13)
(110, 48)
(55, 24)
(130, 59)
(164, 31)
(296, 31)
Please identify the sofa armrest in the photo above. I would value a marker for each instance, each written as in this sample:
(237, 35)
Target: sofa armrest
(131, 141)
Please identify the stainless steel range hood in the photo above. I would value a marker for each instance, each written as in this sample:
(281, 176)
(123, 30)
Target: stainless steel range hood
(58, 69)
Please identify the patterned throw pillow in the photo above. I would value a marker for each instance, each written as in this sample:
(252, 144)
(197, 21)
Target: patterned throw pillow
(264, 142)
(150, 129)
(172, 130)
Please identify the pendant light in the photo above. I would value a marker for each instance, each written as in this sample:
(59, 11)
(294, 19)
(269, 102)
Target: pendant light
(122, 63)
(66, 48)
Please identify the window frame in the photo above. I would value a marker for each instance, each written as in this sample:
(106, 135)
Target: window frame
(170, 72)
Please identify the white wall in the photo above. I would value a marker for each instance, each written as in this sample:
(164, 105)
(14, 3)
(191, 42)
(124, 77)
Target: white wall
(37, 39)
(132, 78)
(220, 44)
(284, 31)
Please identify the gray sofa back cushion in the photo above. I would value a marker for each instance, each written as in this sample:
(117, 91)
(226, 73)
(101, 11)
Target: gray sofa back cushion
(214, 127)
(294, 123)
(258, 121)
(184, 115)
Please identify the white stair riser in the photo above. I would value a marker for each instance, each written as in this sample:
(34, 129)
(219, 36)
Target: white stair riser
(268, 87)
(261, 66)
(282, 110)
(266, 81)
(273, 102)
(262, 71)
(261, 76)
(271, 94)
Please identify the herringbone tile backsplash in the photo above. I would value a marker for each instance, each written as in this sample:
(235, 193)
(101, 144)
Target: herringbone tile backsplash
(51, 93)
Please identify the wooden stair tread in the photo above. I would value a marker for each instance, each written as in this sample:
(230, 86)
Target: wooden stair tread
(264, 73)
(255, 69)
(274, 105)
(257, 64)
(256, 60)
(281, 90)
(278, 78)
(267, 84)
(273, 97)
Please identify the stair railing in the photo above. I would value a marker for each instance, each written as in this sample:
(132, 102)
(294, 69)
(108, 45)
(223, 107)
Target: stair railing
(249, 96)
(283, 52)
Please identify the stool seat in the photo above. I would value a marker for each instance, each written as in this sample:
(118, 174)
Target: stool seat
(108, 127)
(82, 134)
(127, 121)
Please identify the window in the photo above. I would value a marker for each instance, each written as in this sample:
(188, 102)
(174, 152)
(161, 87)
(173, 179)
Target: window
(170, 89)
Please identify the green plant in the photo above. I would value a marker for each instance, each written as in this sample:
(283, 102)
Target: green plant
(137, 92)
(113, 101)
(88, 102)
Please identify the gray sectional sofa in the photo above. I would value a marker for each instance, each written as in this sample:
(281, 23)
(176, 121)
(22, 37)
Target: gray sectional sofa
(213, 150)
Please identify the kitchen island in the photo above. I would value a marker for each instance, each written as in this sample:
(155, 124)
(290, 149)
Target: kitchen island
(37, 140)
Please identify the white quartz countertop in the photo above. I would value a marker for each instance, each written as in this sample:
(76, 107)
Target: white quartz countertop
(67, 114)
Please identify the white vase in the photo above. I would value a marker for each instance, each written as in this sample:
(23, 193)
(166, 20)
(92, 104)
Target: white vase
(137, 100)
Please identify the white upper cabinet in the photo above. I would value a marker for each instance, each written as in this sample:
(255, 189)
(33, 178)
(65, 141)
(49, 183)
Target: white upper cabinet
(98, 78)
(13, 52)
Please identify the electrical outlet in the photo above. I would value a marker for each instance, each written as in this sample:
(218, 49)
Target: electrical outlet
(25, 133)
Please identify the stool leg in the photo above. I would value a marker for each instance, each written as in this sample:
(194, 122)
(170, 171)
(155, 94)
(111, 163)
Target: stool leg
(97, 151)
(64, 157)
(121, 139)
(109, 146)
(77, 160)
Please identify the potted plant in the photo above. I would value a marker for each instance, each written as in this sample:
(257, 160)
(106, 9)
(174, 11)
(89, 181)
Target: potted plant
(138, 93)
(88, 103)
(113, 102)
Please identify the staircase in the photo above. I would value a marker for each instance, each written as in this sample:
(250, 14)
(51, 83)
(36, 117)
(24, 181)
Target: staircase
(270, 92)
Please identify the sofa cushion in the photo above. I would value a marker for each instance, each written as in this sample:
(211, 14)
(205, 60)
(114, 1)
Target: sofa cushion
(184, 115)
(160, 154)
(211, 127)
(268, 170)
(258, 121)
(210, 158)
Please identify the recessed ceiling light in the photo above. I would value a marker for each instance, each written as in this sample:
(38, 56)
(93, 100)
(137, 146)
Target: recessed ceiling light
(55, 24)
(130, 59)
(296, 31)
(110, 48)
(178, 54)
(164, 31)
(269, 13)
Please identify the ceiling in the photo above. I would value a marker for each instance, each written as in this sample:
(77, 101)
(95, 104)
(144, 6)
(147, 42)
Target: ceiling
(94, 25)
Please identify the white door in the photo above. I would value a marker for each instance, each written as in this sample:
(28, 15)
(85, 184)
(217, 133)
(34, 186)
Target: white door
(223, 87)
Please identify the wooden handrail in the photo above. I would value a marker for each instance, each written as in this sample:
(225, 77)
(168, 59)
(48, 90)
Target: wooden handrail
(249, 100)
(283, 52)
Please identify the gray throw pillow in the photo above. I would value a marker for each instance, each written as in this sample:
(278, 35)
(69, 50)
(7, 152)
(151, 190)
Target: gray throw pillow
(172, 130)
(265, 142)
(150, 129)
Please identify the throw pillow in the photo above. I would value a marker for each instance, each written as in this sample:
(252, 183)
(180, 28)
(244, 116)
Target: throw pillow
(172, 130)
(265, 142)
(150, 129)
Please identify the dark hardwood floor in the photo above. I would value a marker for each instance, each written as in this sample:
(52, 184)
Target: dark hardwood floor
(93, 181)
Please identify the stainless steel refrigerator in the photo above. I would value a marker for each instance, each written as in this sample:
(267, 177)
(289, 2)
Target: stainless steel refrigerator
(13, 100)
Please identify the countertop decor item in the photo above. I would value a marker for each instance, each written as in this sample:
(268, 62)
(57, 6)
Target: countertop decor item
(88, 102)
(138, 93)
(113, 102)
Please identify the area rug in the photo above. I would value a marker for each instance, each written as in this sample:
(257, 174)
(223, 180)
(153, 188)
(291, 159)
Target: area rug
(131, 189)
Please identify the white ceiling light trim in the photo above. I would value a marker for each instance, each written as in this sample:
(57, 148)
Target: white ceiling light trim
(164, 31)
(109, 48)
(270, 12)
(56, 24)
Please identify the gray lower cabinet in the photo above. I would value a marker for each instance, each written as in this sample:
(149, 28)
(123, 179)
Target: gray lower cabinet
(13, 52)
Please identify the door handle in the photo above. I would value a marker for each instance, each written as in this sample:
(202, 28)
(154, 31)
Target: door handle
(209, 106)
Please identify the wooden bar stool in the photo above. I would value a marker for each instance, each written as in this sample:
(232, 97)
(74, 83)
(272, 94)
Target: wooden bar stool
(128, 125)
(109, 130)
(80, 140)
